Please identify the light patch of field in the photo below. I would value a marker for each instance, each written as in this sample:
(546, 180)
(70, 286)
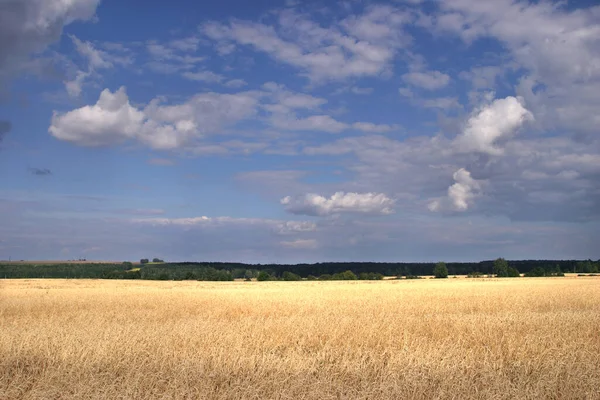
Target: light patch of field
(532, 338)
(52, 262)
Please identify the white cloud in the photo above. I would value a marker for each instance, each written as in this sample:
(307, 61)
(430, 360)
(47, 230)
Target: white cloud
(286, 101)
(203, 76)
(373, 128)
(323, 123)
(175, 126)
(188, 44)
(358, 46)
(460, 195)
(279, 227)
(296, 227)
(284, 104)
(430, 80)
(483, 77)
(362, 91)
(171, 58)
(340, 202)
(207, 221)
(406, 92)
(300, 244)
(235, 83)
(491, 123)
(557, 49)
(111, 120)
(28, 27)
(97, 59)
(74, 86)
(160, 51)
(208, 111)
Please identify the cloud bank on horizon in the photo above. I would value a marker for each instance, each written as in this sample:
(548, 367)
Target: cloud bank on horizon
(421, 130)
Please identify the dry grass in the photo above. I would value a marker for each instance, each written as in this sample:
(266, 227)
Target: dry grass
(460, 339)
(51, 262)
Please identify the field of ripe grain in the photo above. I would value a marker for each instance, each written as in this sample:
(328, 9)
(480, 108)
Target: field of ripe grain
(417, 339)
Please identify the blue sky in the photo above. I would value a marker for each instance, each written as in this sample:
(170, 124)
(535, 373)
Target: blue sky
(299, 131)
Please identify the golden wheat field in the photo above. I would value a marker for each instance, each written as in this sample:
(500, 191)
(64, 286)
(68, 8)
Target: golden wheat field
(535, 338)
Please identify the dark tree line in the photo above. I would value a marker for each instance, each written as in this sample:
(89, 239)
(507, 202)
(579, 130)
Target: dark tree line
(218, 271)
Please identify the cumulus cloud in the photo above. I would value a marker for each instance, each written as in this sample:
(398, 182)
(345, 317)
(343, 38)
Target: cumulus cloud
(430, 80)
(556, 49)
(492, 123)
(340, 202)
(28, 27)
(173, 126)
(417, 171)
(111, 120)
(460, 195)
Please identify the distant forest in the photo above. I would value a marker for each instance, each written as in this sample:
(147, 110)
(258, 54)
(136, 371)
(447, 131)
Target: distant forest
(221, 271)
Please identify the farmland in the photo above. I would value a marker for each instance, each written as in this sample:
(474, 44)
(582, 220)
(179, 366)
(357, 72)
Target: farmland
(390, 339)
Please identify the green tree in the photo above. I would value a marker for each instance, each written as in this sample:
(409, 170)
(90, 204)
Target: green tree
(263, 276)
(248, 275)
(440, 270)
(290, 276)
(513, 272)
(238, 273)
(370, 276)
(537, 271)
(127, 265)
(587, 266)
(501, 267)
(157, 260)
(144, 261)
(344, 276)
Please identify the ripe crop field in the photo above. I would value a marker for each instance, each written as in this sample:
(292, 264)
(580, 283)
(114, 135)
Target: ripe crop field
(536, 338)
